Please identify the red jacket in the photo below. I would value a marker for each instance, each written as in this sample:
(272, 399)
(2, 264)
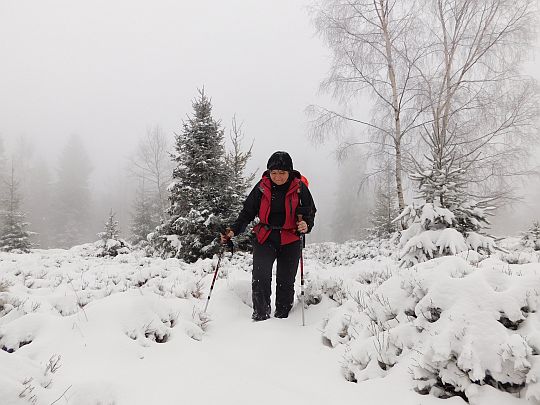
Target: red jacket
(288, 231)
(258, 204)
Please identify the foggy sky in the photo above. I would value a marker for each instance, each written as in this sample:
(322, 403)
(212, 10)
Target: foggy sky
(108, 70)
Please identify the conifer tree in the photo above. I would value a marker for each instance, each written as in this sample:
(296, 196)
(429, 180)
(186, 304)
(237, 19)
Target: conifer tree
(446, 220)
(110, 243)
(145, 217)
(531, 237)
(201, 196)
(384, 213)
(386, 207)
(111, 228)
(72, 201)
(14, 236)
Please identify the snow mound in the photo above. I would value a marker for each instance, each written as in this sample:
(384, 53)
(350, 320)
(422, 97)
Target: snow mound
(458, 327)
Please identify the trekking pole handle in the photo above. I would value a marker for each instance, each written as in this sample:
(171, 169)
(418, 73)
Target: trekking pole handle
(302, 235)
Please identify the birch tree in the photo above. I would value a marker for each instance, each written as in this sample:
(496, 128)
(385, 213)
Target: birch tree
(374, 50)
(482, 108)
(152, 165)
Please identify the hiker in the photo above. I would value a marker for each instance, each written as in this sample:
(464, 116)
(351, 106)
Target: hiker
(282, 202)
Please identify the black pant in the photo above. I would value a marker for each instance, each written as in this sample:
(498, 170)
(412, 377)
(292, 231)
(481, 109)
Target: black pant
(287, 264)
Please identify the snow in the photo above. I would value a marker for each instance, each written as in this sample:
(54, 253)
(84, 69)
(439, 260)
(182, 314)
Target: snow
(130, 330)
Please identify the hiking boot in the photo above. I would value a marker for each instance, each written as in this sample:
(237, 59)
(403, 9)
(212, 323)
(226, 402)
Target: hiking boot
(281, 314)
(259, 317)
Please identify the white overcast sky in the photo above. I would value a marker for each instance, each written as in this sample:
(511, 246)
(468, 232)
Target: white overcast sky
(107, 70)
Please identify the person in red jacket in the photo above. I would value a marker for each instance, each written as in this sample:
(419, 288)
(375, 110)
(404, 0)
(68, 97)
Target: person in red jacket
(285, 208)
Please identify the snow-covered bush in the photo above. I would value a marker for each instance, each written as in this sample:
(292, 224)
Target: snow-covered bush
(517, 250)
(111, 247)
(3, 288)
(456, 326)
(316, 288)
(531, 237)
(479, 328)
(352, 251)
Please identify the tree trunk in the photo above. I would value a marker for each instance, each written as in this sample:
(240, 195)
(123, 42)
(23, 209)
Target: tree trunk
(383, 15)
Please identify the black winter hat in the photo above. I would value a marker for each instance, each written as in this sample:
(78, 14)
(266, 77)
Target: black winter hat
(280, 161)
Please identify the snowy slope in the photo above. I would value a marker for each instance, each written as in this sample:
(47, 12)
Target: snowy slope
(129, 330)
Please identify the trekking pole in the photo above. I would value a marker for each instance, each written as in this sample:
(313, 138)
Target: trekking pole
(302, 296)
(220, 255)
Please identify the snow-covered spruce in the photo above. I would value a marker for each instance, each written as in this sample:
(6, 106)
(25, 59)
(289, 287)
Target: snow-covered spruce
(14, 236)
(434, 231)
(110, 244)
(447, 220)
(202, 193)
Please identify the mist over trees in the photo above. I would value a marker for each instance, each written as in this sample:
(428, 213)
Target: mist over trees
(185, 186)
(72, 200)
(450, 123)
(447, 89)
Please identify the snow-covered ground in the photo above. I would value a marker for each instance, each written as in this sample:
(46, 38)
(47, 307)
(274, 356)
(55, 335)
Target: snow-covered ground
(83, 330)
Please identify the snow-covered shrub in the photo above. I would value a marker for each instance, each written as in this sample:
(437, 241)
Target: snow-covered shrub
(111, 247)
(351, 251)
(315, 288)
(3, 288)
(476, 329)
(456, 326)
(517, 250)
(519, 257)
(531, 237)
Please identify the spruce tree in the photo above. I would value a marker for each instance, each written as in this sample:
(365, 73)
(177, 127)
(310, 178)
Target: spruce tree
(14, 236)
(110, 243)
(201, 195)
(447, 220)
(531, 237)
(145, 216)
(111, 228)
(72, 198)
(386, 207)
(384, 213)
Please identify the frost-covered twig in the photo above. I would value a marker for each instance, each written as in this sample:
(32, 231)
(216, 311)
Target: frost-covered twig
(61, 396)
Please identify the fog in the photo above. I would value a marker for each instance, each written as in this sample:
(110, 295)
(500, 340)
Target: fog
(108, 71)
